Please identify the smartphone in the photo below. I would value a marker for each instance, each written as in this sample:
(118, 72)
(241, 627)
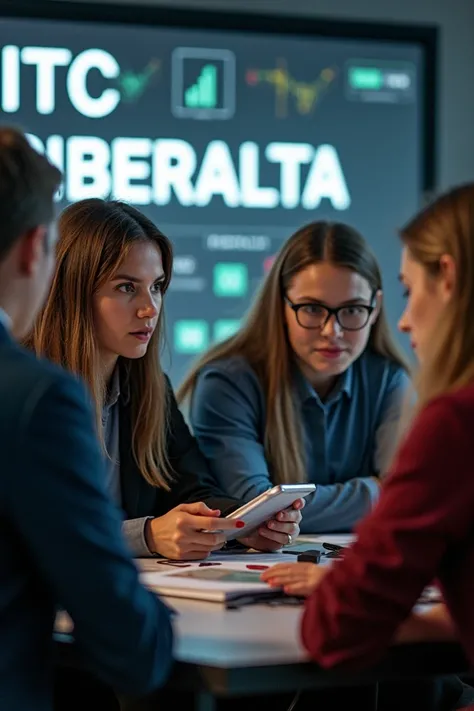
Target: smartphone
(265, 506)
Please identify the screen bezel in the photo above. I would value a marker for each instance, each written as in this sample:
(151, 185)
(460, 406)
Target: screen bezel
(425, 36)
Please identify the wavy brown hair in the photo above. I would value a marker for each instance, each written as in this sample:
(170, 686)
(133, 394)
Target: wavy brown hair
(94, 237)
(263, 340)
(446, 227)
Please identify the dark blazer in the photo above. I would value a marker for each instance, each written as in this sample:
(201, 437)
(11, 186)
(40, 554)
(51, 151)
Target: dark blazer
(192, 479)
(61, 544)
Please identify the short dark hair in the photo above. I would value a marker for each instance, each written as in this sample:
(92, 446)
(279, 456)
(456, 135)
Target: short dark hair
(28, 183)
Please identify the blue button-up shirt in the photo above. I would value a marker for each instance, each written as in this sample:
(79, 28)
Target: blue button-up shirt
(349, 438)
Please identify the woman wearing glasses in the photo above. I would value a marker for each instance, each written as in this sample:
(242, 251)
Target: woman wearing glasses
(311, 387)
(422, 529)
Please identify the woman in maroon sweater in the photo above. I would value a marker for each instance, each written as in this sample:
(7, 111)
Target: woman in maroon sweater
(423, 526)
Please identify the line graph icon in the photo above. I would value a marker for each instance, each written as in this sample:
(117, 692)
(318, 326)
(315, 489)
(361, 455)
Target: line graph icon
(303, 94)
(132, 84)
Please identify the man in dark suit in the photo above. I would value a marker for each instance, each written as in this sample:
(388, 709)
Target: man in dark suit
(60, 537)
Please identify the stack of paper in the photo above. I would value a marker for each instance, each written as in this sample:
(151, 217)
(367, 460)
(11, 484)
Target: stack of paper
(219, 582)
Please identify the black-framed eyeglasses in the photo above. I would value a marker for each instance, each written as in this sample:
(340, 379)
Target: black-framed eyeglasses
(352, 317)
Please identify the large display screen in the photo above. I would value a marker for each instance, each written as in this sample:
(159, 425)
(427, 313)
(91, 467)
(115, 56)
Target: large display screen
(228, 140)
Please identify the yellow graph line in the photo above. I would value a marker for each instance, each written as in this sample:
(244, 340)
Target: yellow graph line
(306, 94)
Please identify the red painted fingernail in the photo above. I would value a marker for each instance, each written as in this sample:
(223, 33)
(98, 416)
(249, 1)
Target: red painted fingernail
(240, 524)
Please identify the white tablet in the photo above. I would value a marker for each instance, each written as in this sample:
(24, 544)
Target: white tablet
(265, 506)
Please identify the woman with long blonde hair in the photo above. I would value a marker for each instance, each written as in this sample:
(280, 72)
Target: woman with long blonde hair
(311, 387)
(103, 322)
(423, 526)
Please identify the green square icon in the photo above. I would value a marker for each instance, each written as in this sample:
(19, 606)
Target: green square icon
(225, 328)
(230, 279)
(191, 336)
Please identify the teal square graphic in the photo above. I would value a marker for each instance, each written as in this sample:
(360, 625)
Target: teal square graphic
(230, 279)
(191, 336)
(225, 328)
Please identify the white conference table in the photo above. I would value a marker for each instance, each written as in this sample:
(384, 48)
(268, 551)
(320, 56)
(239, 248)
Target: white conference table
(256, 649)
(256, 634)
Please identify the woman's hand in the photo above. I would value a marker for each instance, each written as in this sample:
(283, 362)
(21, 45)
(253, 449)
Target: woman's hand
(179, 533)
(295, 578)
(276, 532)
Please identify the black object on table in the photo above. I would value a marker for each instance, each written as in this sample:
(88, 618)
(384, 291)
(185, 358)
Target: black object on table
(311, 556)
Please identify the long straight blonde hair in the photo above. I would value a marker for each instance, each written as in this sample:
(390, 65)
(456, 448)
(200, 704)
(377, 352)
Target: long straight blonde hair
(94, 237)
(263, 340)
(446, 227)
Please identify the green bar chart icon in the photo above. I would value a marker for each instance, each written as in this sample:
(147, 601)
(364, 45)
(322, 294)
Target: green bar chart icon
(203, 83)
(203, 94)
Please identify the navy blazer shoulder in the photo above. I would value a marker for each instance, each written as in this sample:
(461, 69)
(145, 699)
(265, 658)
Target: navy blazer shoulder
(61, 544)
(192, 479)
